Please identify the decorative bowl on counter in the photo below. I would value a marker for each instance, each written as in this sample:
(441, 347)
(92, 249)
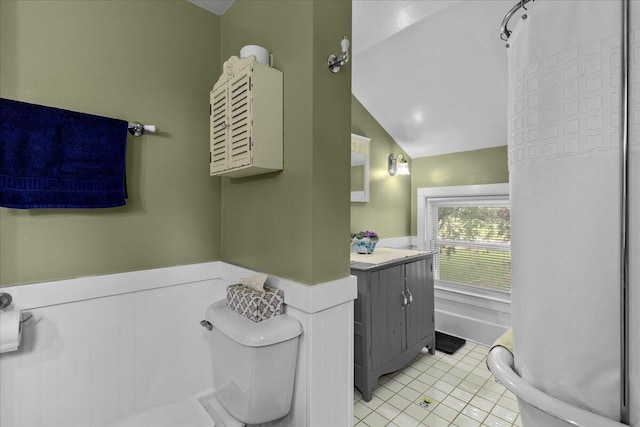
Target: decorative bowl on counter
(364, 242)
(365, 245)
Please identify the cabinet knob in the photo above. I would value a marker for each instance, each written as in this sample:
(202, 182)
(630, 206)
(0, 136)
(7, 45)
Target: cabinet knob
(410, 296)
(404, 299)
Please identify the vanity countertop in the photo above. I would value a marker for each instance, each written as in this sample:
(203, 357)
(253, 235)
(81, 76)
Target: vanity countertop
(384, 256)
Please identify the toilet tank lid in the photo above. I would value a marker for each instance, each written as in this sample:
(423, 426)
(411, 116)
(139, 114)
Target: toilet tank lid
(249, 333)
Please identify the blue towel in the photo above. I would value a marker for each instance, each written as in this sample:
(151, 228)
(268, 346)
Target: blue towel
(54, 158)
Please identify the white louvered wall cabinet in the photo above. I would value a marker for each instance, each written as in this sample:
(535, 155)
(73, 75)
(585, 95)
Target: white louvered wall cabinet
(246, 122)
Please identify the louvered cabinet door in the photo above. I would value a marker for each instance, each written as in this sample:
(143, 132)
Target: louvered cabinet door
(240, 119)
(246, 120)
(219, 128)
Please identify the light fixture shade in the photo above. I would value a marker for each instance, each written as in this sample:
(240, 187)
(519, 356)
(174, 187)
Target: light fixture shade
(399, 167)
(403, 168)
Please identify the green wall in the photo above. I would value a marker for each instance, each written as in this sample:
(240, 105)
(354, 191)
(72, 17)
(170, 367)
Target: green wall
(294, 223)
(487, 166)
(148, 61)
(388, 209)
(155, 62)
(391, 210)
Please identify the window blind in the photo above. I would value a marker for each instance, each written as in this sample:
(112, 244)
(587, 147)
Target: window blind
(471, 240)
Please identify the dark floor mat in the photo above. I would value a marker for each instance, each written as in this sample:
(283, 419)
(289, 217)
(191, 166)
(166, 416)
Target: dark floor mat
(448, 343)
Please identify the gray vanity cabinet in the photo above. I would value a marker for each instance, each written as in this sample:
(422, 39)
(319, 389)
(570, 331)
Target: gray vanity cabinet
(393, 317)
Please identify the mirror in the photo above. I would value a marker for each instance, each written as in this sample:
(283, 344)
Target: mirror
(359, 168)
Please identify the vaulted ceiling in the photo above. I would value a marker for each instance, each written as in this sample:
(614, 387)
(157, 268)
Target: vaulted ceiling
(433, 73)
(219, 7)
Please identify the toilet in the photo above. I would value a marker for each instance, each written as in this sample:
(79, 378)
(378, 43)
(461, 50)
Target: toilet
(254, 365)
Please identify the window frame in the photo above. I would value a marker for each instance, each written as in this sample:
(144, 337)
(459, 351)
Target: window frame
(472, 191)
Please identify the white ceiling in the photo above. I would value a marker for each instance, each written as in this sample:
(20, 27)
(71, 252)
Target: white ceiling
(219, 7)
(433, 73)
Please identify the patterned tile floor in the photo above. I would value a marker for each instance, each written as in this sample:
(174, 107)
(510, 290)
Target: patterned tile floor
(440, 391)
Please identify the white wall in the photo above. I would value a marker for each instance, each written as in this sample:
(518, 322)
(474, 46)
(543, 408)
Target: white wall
(470, 315)
(103, 348)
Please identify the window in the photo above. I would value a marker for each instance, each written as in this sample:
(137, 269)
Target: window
(470, 235)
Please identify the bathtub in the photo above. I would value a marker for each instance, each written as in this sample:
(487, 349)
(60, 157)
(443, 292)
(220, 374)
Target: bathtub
(538, 409)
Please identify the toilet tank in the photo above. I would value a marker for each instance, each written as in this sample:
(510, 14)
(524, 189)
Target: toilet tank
(254, 363)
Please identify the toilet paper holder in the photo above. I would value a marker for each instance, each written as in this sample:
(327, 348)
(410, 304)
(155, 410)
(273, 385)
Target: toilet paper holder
(5, 300)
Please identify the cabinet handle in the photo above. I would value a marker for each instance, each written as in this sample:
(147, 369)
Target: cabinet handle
(206, 324)
(404, 299)
(410, 296)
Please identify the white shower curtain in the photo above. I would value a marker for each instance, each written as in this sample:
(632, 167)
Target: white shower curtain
(564, 161)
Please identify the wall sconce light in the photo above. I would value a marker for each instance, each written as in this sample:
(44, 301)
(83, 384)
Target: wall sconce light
(335, 62)
(398, 166)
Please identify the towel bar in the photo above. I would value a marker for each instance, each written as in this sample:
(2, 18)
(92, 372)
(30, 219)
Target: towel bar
(500, 362)
(137, 129)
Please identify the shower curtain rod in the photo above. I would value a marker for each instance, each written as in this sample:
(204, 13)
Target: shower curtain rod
(504, 31)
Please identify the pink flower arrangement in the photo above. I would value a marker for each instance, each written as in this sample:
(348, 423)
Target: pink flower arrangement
(371, 235)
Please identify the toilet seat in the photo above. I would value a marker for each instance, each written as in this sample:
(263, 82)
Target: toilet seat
(187, 412)
(195, 411)
(216, 411)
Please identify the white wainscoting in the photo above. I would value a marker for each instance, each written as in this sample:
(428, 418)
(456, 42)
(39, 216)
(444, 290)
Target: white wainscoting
(404, 242)
(471, 314)
(103, 348)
